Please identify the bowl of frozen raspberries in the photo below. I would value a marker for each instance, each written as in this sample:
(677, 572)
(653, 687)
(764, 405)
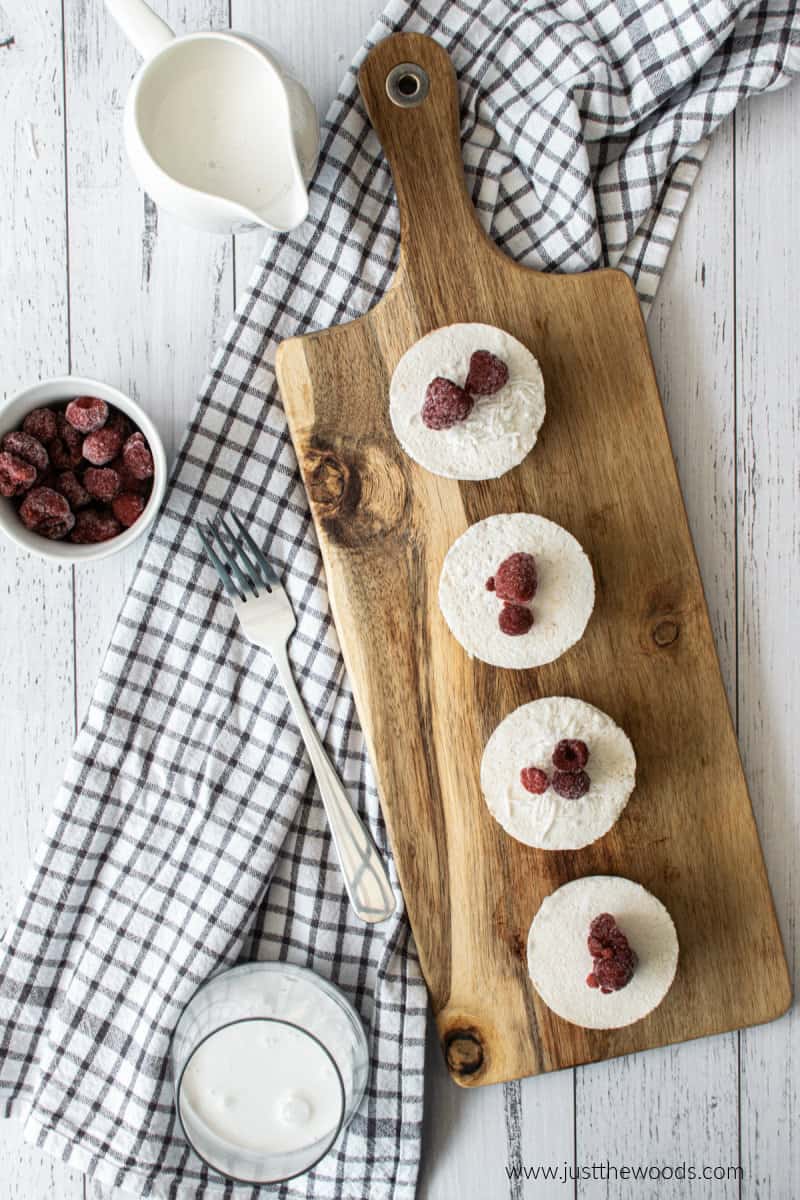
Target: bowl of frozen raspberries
(82, 469)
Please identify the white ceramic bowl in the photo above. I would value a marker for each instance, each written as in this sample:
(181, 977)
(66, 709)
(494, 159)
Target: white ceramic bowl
(56, 391)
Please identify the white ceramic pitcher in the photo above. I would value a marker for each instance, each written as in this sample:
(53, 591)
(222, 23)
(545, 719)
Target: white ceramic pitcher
(216, 131)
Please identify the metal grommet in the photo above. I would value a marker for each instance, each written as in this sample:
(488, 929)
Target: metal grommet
(407, 85)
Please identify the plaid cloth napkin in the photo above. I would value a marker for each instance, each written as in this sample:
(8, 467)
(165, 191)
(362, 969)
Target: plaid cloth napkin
(188, 833)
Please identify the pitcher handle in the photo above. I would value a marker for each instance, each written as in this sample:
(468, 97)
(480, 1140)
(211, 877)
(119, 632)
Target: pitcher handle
(147, 32)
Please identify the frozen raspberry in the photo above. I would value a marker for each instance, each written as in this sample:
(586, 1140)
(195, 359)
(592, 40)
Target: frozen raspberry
(604, 933)
(128, 507)
(99, 448)
(515, 619)
(101, 482)
(490, 584)
(445, 404)
(487, 374)
(87, 413)
(71, 436)
(613, 959)
(128, 482)
(515, 578)
(27, 447)
(570, 755)
(16, 475)
(65, 450)
(534, 780)
(70, 486)
(117, 420)
(571, 785)
(92, 526)
(49, 479)
(613, 973)
(41, 423)
(137, 457)
(47, 513)
(62, 458)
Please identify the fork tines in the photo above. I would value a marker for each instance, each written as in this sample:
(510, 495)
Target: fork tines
(241, 565)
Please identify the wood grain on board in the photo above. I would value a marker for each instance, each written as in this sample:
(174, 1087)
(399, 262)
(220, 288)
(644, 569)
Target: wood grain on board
(603, 468)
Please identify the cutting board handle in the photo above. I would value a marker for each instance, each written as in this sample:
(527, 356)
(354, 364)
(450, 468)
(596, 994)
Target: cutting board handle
(409, 87)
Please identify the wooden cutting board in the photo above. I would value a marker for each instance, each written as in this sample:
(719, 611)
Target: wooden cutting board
(603, 468)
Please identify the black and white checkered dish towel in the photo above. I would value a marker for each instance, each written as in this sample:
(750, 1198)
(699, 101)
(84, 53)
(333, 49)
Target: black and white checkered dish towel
(188, 834)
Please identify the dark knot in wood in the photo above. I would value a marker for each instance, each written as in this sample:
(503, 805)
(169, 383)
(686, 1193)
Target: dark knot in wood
(666, 633)
(359, 492)
(464, 1052)
(327, 478)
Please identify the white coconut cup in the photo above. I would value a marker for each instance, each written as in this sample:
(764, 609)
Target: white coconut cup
(57, 391)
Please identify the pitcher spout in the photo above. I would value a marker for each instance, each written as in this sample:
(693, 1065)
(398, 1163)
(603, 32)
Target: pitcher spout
(289, 209)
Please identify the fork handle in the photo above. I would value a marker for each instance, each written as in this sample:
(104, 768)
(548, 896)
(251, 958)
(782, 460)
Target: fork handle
(365, 877)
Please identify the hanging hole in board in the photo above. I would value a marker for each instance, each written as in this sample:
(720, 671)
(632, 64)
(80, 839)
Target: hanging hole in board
(407, 85)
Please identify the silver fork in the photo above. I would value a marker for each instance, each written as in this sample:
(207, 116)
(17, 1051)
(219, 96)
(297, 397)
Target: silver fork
(268, 620)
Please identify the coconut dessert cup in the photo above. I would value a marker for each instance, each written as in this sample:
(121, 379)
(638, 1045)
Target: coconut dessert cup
(486, 407)
(564, 971)
(557, 773)
(499, 626)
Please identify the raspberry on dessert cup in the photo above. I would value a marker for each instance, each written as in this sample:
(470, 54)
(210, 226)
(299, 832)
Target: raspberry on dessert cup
(516, 591)
(570, 754)
(467, 401)
(541, 806)
(488, 373)
(597, 970)
(515, 620)
(534, 780)
(445, 404)
(571, 785)
(516, 578)
(614, 962)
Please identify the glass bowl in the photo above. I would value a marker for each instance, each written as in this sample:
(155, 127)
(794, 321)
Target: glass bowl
(270, 1064)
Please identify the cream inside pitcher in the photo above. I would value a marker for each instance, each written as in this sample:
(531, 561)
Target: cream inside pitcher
(215, 129)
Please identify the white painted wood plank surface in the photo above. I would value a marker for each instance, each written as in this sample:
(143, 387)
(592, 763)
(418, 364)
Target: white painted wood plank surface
(131, 326)
(36, 648)
(36, 600)
(768, 416)
(541, 1126)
